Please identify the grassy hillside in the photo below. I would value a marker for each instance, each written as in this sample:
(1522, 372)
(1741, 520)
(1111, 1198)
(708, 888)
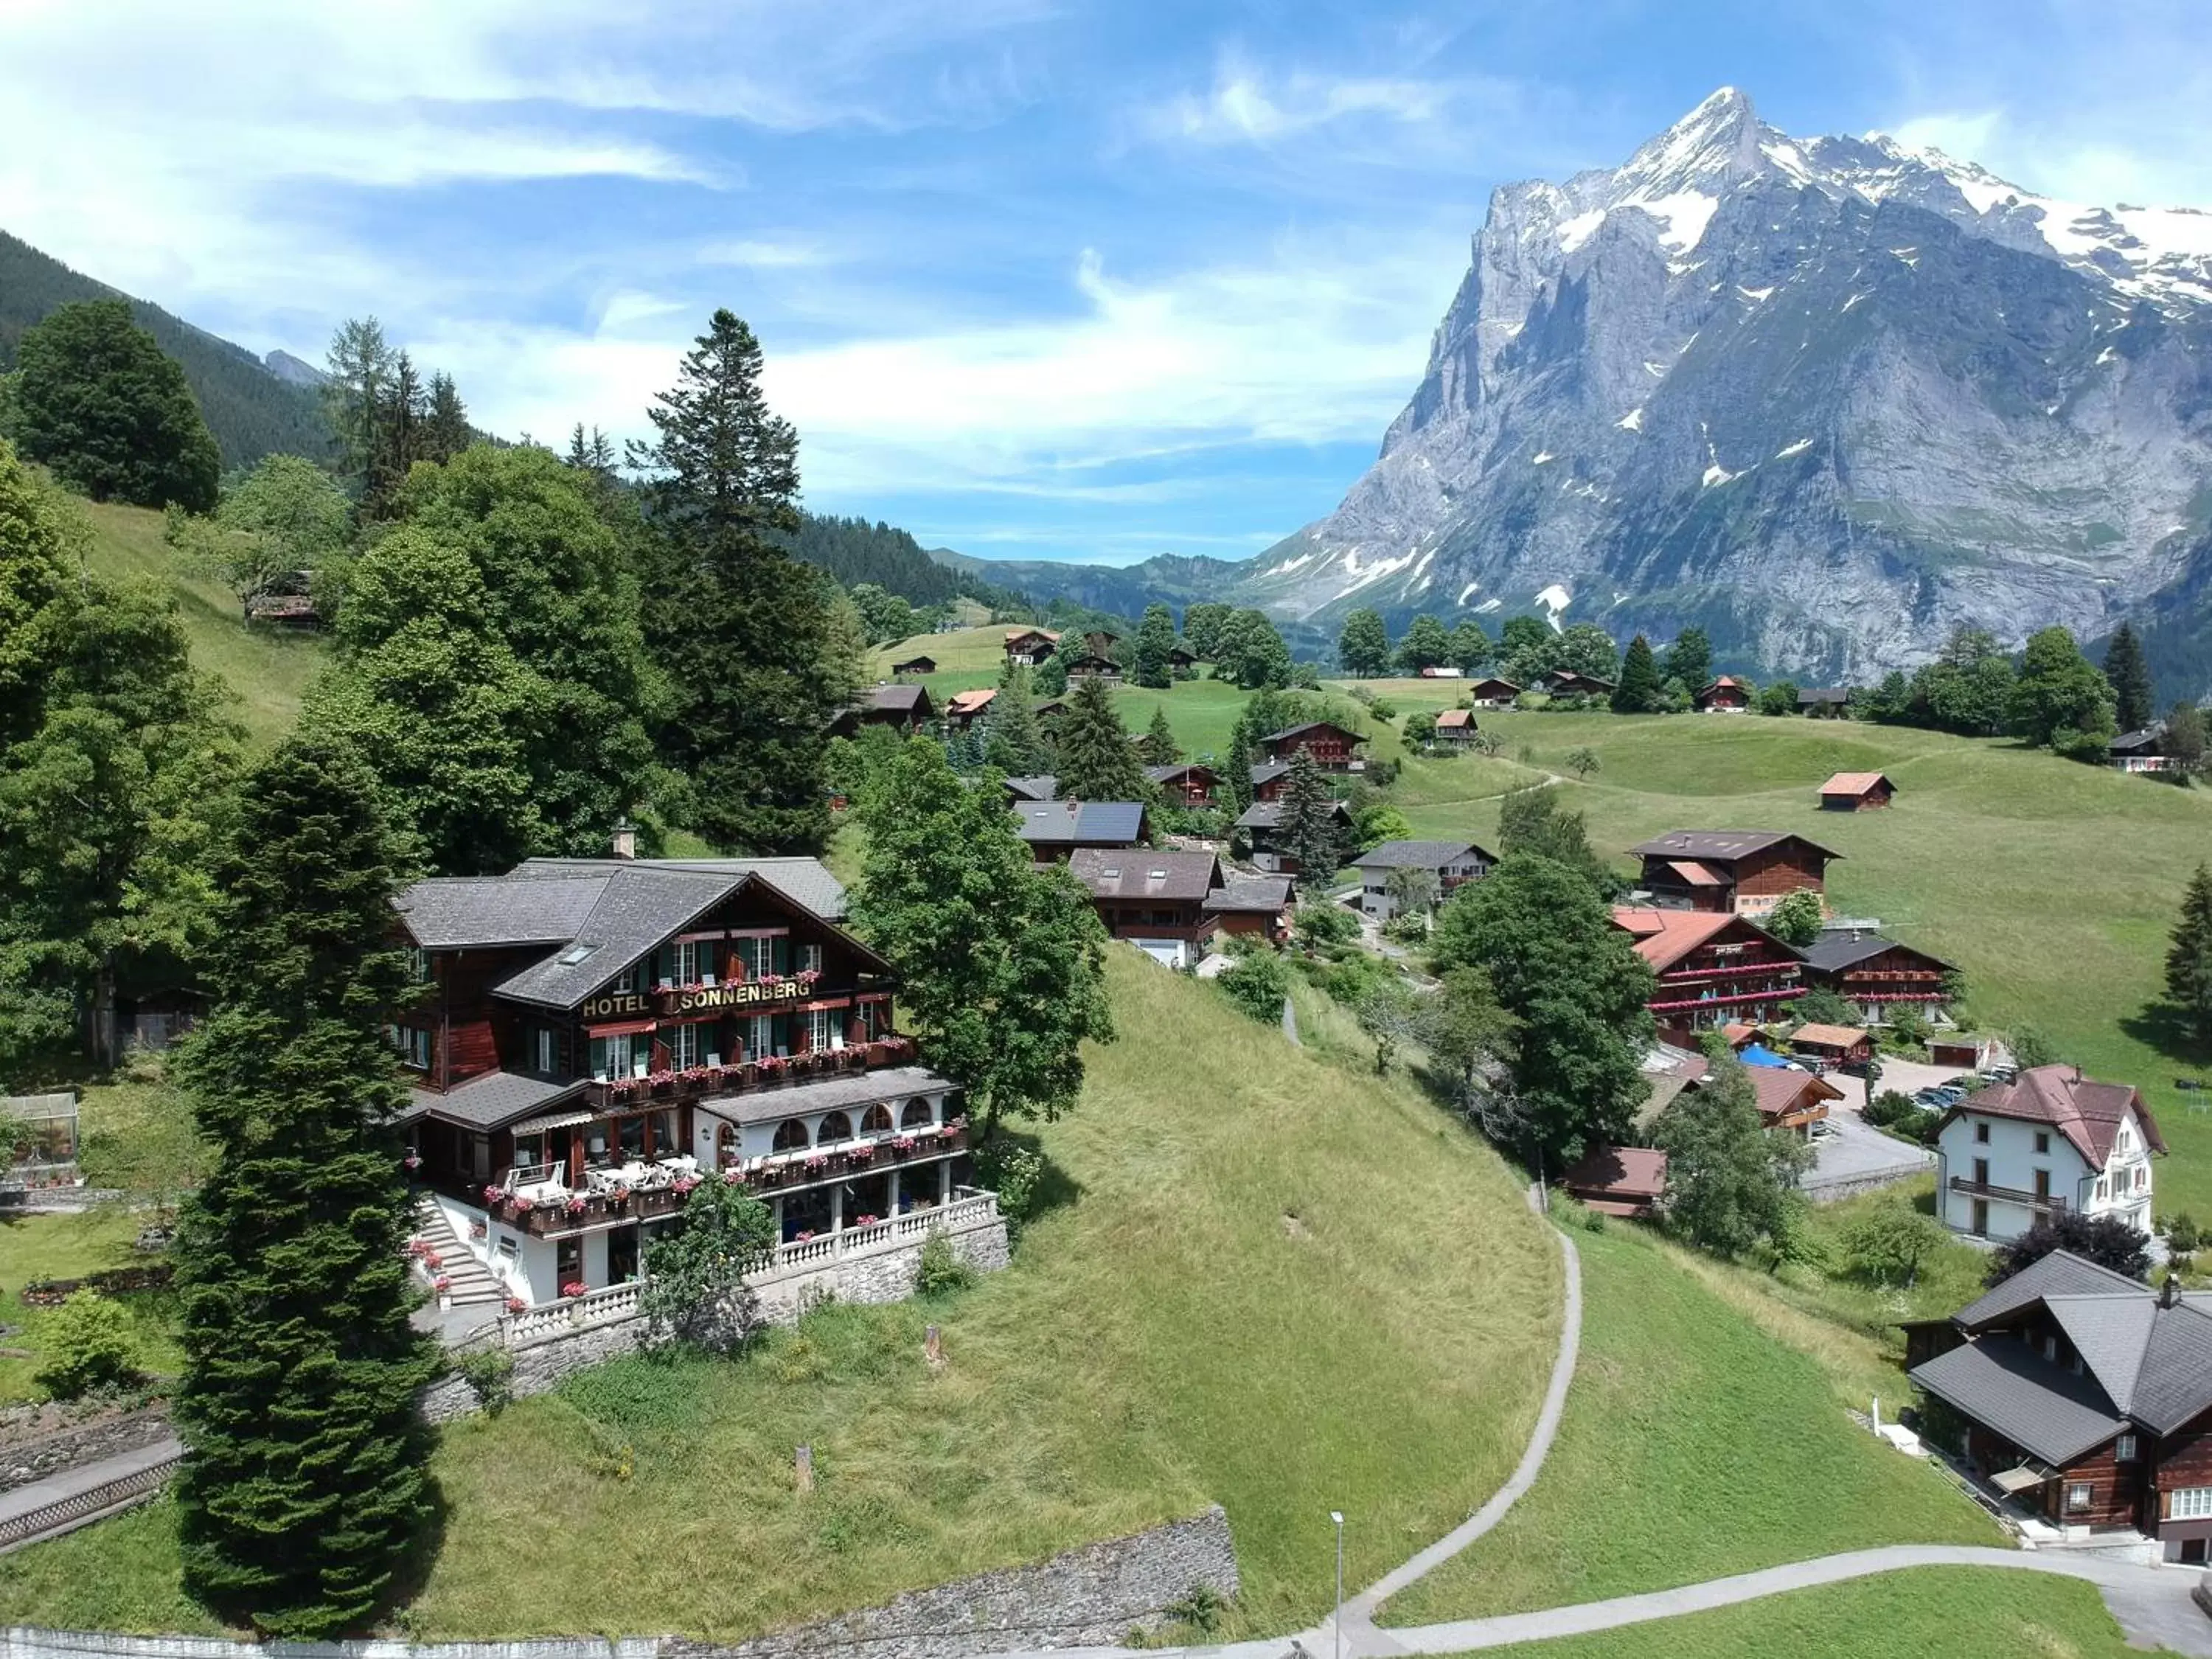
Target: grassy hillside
(1268, 1282)
(267, 668)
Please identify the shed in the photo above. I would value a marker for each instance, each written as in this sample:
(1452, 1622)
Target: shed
(43, 1131)
(1844, 1047)
(1968, 1054)
(1856, 792)
(915, 666)
(1622, 1180)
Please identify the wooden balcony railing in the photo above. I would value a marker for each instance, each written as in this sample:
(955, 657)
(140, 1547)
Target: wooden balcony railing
(2051, 1201)
(699, 1083)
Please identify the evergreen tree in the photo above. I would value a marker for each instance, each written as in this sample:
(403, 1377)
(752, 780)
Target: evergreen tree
(2189, 955)
(446, 430)
(1016, 744)
(2128, 674)
(96, 399)
(1151, 662)
(1093, 755)
(1576, 986)
(1423, 645)
(1637, 693)
(1363, 647)
(359, 369)
(741, 632)
(1470, 646)
(1001, 963)
(1159, 744)
(1201, 629)
(1308, 829)
(2060, 698)
(1263, 712)
(1690, 659)
(305, 1482)
(399, 427)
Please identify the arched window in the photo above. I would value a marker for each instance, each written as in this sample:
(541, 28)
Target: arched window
(726, 1145)
(835, 1126)
(791, 1135)
(917, 1115)
(876, 1120)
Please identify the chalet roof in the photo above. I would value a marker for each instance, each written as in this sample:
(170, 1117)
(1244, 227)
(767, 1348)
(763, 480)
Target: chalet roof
(1855, 783)
(461, 912)
(1014, 634)
(831, 1094)
(1723, 683)
(970, 703)
(1140, 872)
(1268, 815)
(1266, 895)
(2143, 740)
(806, 882)
(1064, 822)
(490, 1101)
(2037, 1405)
(1453, 719)
(2087, 1112)
(1696, 874)
(923, 664)
(900, 699)
(1628, 1172)
(1822, 694)
(1268, 771)
(2059, 1273)
(1663, 937)
(1290, 732)
(1493, 679)
(1782, 1090)
(1181, 768)
(1829, 1037)
(1576, 676)
(1838, 948)
(1723, 846)
(1416, 854)
(1040, 786)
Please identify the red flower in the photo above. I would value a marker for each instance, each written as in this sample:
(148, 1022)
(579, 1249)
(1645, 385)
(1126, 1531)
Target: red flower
(573, 1287)
(515, 1304)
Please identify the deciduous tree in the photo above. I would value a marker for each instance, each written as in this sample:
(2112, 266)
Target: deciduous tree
(1798, 919)
(1251, 653)
(1534, 820)
(1424, 644)
(286, 515)
(96, 399)
(1729, 1182)
(2106, 1240)
(1362, 645)
(1202, 629)
(695, 1294)
(2061, 699)
(1470, 646)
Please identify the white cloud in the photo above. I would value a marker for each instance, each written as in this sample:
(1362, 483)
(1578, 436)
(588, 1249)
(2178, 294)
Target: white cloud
(1246, 106)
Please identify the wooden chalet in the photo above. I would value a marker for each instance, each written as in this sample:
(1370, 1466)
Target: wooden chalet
(1823, 703)
(1267, 780)
(1856, 792)
(1182, 659)
(1725, 696)
(1570, 683)
(592, 1037)
(1041, 785)
(1259, 905)
(1155, 901)
(1747, 871)
(1051, 709)
(1790, 1099)
(1454, 726)
(963, 708)
(1334, 748)
(904, 708)
(1492, 693)
(1833, 1048)
(1451, 864)
(1186, 783)
(1056, 829)
(1028, 646)
(2082, 1396)
(1621, 1180)
(1092, 666)
(1713, 967)
(1876, 975)
(913, 665)
(1261, 823)
(2140, 750)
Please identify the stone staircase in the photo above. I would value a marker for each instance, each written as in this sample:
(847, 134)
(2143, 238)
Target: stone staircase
(470, 1282)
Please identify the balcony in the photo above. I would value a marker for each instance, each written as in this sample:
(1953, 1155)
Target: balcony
(2049, 1201)
(699, 1083)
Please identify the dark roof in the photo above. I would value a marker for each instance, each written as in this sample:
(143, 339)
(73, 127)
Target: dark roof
(1269, 814)
(490, 1102)
(2059, 1273)
(1041, 785)
(1063, 823)
(2087, 1112)
(1264, 894)
(2008, 1386)
(1417, 855)
(913, 662)
(806, 882)
(1837, 948)
(1822, 694)
(1268, 771)
(1638, 1171)
(472, 912)
(2144, 740)
(903, 699)
(832, 1094)
(1162, 774)
(1140, 872)
(1290, 732)
(1723, 846)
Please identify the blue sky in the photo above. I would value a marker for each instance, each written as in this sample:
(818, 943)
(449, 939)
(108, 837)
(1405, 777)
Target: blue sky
(1052, 280)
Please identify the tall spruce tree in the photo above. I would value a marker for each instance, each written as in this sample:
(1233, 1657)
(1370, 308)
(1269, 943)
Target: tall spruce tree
(2129, 674)
(1159, 744)
(1263, 712)
(1308, 829)
(1637, 693)
(445, 431)
(2189, 955)
(1151, 661)
(1095, 759)
(1016, 744)
(1363, 645)
(740, 630)
(305, 1482)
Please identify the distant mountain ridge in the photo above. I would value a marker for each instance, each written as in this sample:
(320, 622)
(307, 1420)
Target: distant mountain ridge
(254, 409)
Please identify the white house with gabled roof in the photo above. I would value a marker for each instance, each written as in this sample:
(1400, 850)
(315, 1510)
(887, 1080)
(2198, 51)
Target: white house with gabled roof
(2052, 1141)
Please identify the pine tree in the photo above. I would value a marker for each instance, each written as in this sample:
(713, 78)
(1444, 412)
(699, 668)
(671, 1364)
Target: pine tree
(1152, 663)
(1159, 744)
(2189, 955)
(1096, 759)
(1363, 648)
(445, 431)
(1425, 645)
(1262, 713)
(1307, 830)
(305, 1482)
(2129, 674)
(740, 630)
(96, 398)
(359, 369)
(1637, 693)
(1017, 744)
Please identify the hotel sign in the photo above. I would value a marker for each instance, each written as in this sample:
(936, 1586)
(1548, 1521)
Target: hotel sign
(698, 999)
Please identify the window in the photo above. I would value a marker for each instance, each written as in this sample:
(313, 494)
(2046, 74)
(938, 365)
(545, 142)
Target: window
(2079, 1496)
(810, 958)
(760, 1037)
(684, 1047)
(876, 1120)
(2142, 1177)
(418, 964)
(2123, 1449)
(545, 1050)
(2103, 1188)
(758, 956)
(625, 982)
(684, 961)
(2051, 1347)
(1981, 1134)
(2122, 1143)
(821, 1024)
(917, 1115)
(791, 1135)
(610, 1056)
(2042, 1140)
(835, 1126)
(2189, 1503)
(414, 1046)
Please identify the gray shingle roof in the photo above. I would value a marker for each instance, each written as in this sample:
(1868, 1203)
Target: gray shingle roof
(804, 881)
(2110, 1332)
(905, 699)
(639, 909)
(460, 912)
(829, 1095)
(1266, 895)
(1139, 872)
(1060, 823)
(1041, 785)
(2175, 1381)
(490, 1102)
(1724, 845)
(1268, 771)
(1416, 854)
(1268, 815)
(1162, 774)
(1838, 948)
(2010, 1387)
(2059, 1273)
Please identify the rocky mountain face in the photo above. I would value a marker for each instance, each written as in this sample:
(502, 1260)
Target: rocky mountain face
(1828, 398)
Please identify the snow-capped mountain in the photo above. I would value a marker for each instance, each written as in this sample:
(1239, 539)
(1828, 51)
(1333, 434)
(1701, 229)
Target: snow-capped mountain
(1828, 397)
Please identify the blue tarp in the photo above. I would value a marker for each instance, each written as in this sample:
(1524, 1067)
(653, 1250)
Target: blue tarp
(1756, 1055)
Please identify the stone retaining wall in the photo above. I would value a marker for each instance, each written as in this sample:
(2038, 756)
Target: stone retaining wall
(541, 1362)
(35, 1458)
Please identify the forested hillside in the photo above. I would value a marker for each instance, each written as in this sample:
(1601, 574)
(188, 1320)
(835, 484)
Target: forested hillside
(855, 551)
(250, 411)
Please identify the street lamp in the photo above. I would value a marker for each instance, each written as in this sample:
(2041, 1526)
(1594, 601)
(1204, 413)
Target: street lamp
(1336, 1517)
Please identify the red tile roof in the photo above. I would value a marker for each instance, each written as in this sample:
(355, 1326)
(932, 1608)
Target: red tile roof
(1782, 1089)
(1456, 717)
(2087, 1112)
(1619, 1180)
(967, 702)
(1663, 937)
(1854, 783)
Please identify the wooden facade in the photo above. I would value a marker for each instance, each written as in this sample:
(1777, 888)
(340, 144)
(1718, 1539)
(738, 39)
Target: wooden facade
(1747, 871)
(1712, 968)
(1028, 646)
(1725, 696)
(1492, 693)
(1334, 748)
(1186, 783)
(1856, 792)
(1876, 975)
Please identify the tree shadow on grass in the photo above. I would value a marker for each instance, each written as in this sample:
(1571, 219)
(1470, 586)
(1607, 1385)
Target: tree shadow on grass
(424, 1549)
(2162, 1026)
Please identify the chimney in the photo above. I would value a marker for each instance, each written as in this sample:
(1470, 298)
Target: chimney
(2170, 1291)
(625, 839)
